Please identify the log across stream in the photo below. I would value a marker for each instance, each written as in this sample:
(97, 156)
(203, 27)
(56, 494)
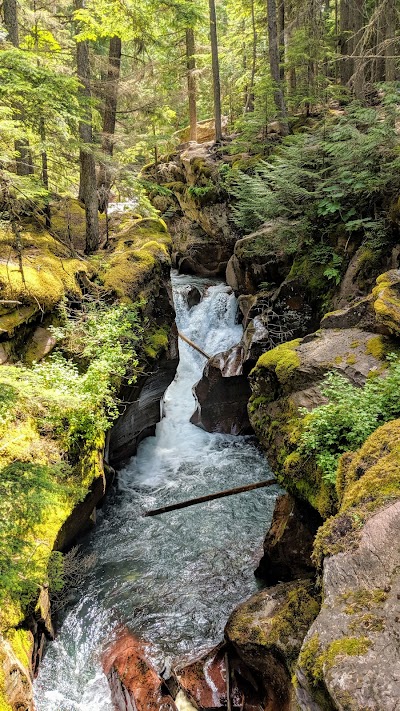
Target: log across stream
(174, 579)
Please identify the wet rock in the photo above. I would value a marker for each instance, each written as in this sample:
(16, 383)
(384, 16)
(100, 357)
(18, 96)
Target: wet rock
(193, 296)
(222, 395)
(289, 542)
(351, 656)
(267, 632)
(205, 258)
(135, 684)
(140, 417)
(203, 680)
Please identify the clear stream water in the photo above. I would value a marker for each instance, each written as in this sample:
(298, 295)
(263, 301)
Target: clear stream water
(172, 579)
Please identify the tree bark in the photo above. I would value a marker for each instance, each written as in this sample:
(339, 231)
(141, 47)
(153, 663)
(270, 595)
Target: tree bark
(249, 106)
(215, 71)
(390, 47)
(23, 159)
(274, 66)
(109, 119)
(351, 24)
(191, 83)
(88, 184)
(281, 35)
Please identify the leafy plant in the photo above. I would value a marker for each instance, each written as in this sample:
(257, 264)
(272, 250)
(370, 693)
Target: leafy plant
(350, 416)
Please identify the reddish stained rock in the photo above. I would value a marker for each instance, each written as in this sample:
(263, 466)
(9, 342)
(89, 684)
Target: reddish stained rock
(204, 681)
(135, 684)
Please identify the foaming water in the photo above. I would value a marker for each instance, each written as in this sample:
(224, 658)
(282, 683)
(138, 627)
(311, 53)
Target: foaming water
(175, 578)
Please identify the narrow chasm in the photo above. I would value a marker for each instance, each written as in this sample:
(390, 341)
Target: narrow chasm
(171, 580)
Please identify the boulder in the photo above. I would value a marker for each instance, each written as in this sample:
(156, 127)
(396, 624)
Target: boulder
(256, 260)
(360, 314)
(193, 296)
(288, 544)
(42, 344)
(287, 379)
(350, 658)
(267, 632)
(222, 395)
(134, 682)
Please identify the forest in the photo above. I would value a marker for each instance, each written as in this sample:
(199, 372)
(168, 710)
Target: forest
(252, 146)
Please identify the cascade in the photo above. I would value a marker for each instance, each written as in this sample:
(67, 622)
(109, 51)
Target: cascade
(173, 579)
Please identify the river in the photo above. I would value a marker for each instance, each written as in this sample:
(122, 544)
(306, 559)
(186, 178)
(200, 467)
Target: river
(175, 578)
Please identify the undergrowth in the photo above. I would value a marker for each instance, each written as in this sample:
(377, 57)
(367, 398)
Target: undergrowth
(51, 415)
(350, 416)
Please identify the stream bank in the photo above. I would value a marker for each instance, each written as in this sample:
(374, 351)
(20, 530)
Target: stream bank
(123, 293)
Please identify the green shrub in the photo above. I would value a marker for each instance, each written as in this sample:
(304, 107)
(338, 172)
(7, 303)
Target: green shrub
(350, 416)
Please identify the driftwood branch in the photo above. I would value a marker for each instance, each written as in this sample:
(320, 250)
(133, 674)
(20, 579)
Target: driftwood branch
(193, 345)
(210, 497)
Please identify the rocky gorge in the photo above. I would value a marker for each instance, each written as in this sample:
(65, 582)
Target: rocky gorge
(321, 633)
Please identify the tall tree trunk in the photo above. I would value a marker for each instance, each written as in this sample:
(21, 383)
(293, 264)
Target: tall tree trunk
(109, 119)
(281, 38)
(351, 24)
(191, 83)
(390, 48)
(215, 71)
(23, 159)
(249, 106)
(274, 66)
(88, 185)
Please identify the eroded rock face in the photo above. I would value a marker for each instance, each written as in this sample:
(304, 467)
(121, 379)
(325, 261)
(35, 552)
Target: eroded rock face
(255, 261)
(135, 684)
(267, 632)
(203, 235)
(289, 542)
(222, 395)
(351, 655)
(142, 414)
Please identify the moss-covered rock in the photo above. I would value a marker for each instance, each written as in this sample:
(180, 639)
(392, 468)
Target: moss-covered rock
(285, 381)
(386, 297)
(350, 657)
(267, 632)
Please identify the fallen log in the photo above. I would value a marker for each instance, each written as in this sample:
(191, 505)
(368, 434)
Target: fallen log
(193, 345)
(210, 497)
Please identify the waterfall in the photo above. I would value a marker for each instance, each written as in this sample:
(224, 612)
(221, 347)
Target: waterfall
(174, 579)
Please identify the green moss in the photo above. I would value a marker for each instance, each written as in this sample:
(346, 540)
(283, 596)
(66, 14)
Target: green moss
(315, 662)
(292, 621)
(338, 360)
(310, 660)
(351, 359)
(387, 301)
(367, 480)
(283, 359)
(346, 646)
(21, 643)
(139, 251)
(376, 346)
(156, 342)
(362, 600)
(48, 272)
